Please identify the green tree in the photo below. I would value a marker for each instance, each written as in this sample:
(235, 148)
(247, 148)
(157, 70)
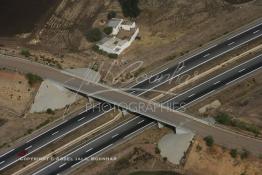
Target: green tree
(223, 118)
(94, 35)
(233, 153)
(25, 52)
(209, 141)
(112, 55)
(108, 30)
(111, 14)
(244, 154)
(157, 150)
(50, 111)
(33, 79)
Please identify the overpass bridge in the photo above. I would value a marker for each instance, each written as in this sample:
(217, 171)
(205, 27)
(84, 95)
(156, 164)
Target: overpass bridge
(102, 92)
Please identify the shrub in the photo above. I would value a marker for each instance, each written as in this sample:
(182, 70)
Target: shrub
(209, 141)
(94, 35)
(157, 150)
(223, 118)
(108, 30)
(233, 153)
(111, 14)
(50, 111)
(33, 79)
(130, 8)
(244, 154)
(25, 52)
(112, 55)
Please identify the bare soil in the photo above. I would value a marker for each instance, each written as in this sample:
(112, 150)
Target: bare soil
(184, 26)
(203, 160)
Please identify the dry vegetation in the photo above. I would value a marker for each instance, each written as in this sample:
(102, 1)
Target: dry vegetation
(203, 160)
(184, 26)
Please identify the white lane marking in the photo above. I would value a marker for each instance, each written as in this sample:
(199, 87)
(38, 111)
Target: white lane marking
(62, 165)
(28, 147)
(137, 131)
(229, 44)
(217, 82)
(80, 119)
(214, 77)
(2, 162)
(87, 144)
(243, 76)
(256, 31)
(57, 125)
(82, 112)
(55, 133)
(200, 63)
(89, 150)
(53, 140)
(93, 154)
(241, 70)
(115, 135)
(141, 121)
(206, 55)
(191, 95)
(244, 31)
(7, 152)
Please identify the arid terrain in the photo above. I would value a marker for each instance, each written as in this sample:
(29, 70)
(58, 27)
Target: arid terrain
(54, 34)
(164, 37)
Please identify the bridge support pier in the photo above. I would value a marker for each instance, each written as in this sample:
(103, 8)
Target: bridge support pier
(91, 100)
(123, 112)
(160, 125)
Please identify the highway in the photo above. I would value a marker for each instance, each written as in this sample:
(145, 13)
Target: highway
(70, 125)
(223, 137)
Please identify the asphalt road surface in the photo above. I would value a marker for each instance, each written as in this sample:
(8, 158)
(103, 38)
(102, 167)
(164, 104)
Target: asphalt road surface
(157, 79)
(223, 137)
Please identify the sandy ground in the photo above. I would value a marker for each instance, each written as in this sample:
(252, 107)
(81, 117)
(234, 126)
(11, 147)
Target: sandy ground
(217, 161)
(184, 26)
(15, 92)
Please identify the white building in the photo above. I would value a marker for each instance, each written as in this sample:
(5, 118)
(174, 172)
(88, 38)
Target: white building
(115, 24)
(123, 34)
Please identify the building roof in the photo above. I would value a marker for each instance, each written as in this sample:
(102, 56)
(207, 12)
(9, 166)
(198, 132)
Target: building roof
(114, 22)
(112, 42)
(126, 22)
(126, 34)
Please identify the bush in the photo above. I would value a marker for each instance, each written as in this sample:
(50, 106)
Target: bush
(108, 30)
(111, 14)
(233, 153)
(94, 35)
(33, 79)
(112, 55)
(244, 154)
(157, 150)
(25, 52)
(130, 8)
(223, 118)
(50, 111)
(209, 141)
